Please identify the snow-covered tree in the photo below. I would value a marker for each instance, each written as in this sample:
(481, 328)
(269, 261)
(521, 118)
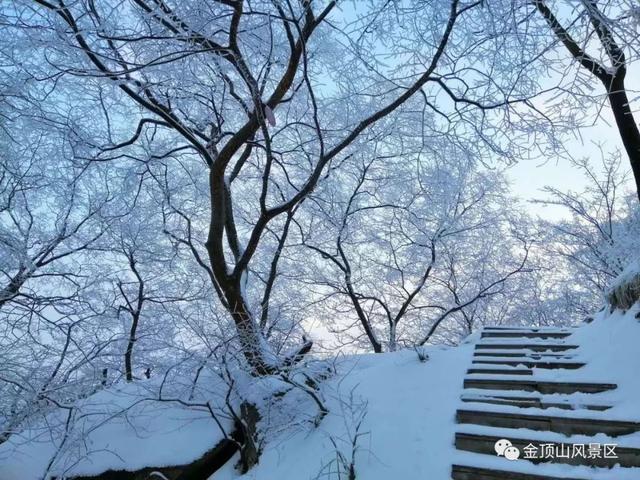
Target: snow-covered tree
(251, 99)
(406, 245)
(599, 237)
(601, 37)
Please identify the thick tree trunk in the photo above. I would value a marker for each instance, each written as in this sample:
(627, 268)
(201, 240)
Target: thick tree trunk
(613, 82)
(252, 342)
(627, 125)
(250, 449)
(229, 285)
(15, 284)
(249, 334)
(393, 328)
(128, 355)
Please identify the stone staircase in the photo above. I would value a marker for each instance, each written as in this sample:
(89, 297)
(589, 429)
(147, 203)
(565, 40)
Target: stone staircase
(521, 387)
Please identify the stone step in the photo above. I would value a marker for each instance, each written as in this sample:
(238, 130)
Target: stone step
(522, 333)
(530, 402)
(465, 472)
(533, 347)
(565, 425)
(532, 329)
(553, 452)
(532, 364)
(525, 356)
(500, 371)
(537, 386)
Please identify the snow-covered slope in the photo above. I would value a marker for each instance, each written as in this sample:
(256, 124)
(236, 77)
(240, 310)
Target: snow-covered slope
(124, 427)
(407, 409)
(409, 427)
(611, 349)
(390, 416)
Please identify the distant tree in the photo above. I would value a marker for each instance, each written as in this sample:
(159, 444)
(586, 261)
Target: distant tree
(53, 212)
(46, 218)
(429, 247)
(600, 235)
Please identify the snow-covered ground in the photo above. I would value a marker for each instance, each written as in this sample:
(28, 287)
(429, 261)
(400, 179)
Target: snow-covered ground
(390, 415)
(408, 410)
(124, 427)
(411, 408)
(611, 349)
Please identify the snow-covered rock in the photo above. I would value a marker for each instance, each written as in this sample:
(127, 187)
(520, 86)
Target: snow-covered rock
(624, 291)
(125, 427)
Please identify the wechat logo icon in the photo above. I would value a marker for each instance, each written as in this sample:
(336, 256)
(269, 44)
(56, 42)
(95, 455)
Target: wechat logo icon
(505, 449)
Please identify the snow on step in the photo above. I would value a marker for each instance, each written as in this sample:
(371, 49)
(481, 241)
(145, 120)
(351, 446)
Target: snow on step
(571, 408)
(465, 472)
(531, 329)
(532, 364)
(525, 334)
(502, 355)
(567, 425)
(575, 401)
(529, 402)
(536, 386)
(511, 373)
(499, 371)
(532, 347)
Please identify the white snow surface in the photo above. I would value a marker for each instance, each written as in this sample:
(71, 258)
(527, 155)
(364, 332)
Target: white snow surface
(406, 409)
(408, 429)
(410, 421)
(124, 427)
(610, 345)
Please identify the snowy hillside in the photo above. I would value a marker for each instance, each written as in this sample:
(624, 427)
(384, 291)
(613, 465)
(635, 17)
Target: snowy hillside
(399, 400)
(124, 427)
(389, 416)
(395, 412)
(410, 407)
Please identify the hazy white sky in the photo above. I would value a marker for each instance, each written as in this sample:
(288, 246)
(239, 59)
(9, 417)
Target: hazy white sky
(528, 178)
